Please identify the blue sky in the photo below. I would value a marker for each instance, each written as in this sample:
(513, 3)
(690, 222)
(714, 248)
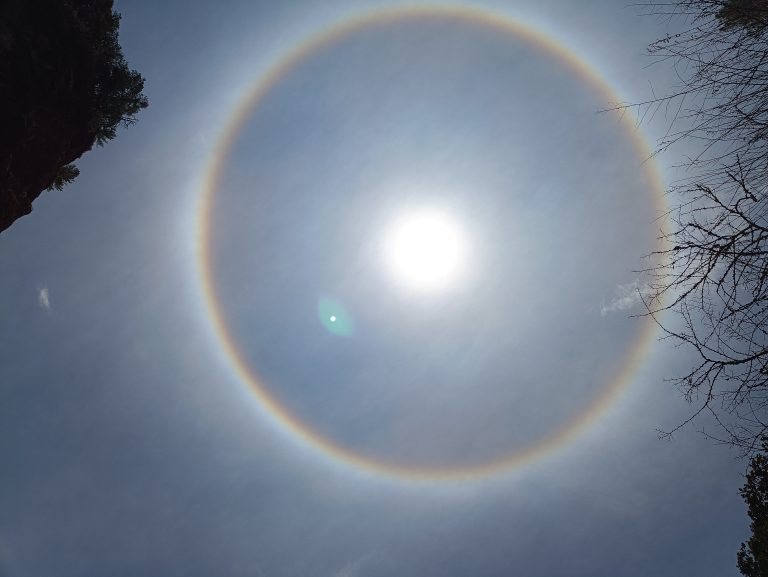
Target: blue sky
(130, 445)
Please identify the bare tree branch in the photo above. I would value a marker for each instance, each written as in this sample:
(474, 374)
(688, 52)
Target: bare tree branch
(714, 278)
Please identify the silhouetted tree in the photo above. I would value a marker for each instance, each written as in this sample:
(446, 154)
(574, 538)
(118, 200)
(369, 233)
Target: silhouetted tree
(64, 176)
(714, 275)
(64, 86)
(752, 558)
(751, 15)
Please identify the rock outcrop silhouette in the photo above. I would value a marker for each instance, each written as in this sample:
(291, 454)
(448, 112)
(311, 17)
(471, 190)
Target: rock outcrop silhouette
(64, 86)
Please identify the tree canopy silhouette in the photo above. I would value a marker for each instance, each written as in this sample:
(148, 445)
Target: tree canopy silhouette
(714, 275)
(64, 86)
(752, 558)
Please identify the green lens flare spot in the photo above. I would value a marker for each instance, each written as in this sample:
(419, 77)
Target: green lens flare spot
(334, 317)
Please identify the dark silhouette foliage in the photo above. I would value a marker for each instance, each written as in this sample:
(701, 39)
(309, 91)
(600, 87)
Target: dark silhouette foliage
(712, 281)
(64, 176)
(752, 558)
(750, 15)
(64, 86)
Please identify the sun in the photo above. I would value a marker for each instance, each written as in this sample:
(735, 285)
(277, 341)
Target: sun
(425, 250)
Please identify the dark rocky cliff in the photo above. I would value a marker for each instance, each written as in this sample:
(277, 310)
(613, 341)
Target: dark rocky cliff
(64, 86)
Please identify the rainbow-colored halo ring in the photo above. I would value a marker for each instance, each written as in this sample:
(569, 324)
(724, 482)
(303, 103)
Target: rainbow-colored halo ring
(281, 416)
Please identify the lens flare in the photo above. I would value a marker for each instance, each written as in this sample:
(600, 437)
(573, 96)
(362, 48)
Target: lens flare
(334, 317)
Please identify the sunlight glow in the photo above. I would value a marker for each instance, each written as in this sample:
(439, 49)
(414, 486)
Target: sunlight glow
(425, 250)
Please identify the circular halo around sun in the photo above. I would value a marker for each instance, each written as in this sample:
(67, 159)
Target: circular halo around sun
(443, 272)
(425, 251)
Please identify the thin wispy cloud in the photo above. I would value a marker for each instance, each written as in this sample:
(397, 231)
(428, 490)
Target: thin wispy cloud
(44, 299)
(626, 297)
(349, 570)
(353, 568)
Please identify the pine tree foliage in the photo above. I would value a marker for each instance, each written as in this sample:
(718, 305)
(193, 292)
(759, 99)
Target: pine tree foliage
(752, 558)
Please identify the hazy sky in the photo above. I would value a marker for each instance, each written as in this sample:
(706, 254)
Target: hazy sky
(131, 443)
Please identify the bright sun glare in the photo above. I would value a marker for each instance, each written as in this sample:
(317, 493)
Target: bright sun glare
(425, 250)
